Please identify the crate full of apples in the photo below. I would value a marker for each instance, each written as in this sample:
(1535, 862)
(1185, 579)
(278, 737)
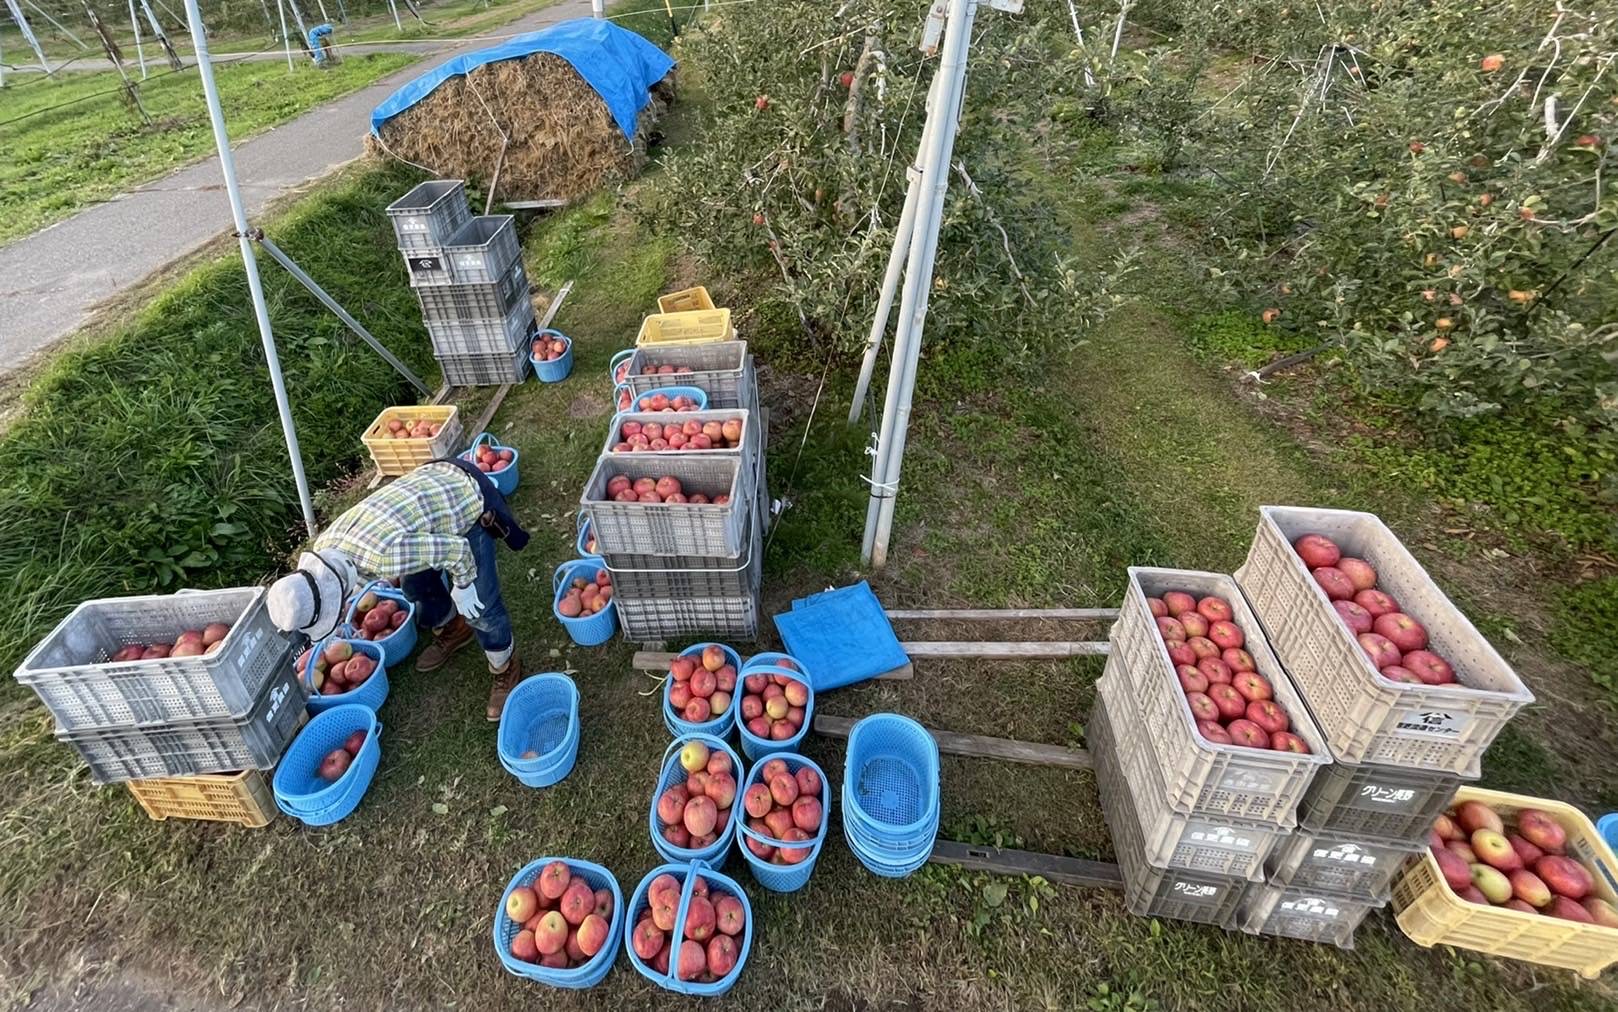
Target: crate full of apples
(1514, 876)
(669, 504)
(1230, 733)
(723, 370)
(1392, 670)
(699, 431)
(402, 439)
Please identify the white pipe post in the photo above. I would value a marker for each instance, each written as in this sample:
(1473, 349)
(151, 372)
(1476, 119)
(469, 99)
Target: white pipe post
(598, 8)
(918, 282)
(896, 259)
(255, 287)
(397, 24)
(28, 34)
(134, 23)
(1089, 78)
(59, 26)
(286, 40)
(2, 69)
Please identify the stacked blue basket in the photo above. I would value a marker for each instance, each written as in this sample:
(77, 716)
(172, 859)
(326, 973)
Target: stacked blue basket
(504, 479)
(372, 694)
(585, 630)
(557, 369)
(718, 725)
(752, 745)
(890, 794)
(592, 972)
(541, 716)
(673, 773)
(784, 878)
(618, 367)
(582, 543)
(718, 885)
(697, 394)
(299, 790)
(396, 645)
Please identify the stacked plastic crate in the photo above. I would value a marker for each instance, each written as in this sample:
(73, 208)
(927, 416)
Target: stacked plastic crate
(235, 708)
(468, 275)
(682, 569)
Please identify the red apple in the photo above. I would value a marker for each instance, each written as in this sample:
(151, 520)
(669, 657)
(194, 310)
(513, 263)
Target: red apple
(757, 801)
(1252, 686)
(722, 955)
(1492, 849)
(1214, 609)
(1529, 888)
(1568, 910)
(1462, 850)
(1267, 715)
(1191, 680)
(1202, 708)
(1600, 911)
(1180, 652)
(1226, 635)
(1246, 733)
(1379, 649)
(1202, 647)
(553, 881)
(1331, 580)
(1317, 550)
(1170, 628)
(1179, 601)
(1214, 670)
(1457, 873)
(1448, 828)
(1525, 850)
(1565, 876)
(808, 782)
(523, 947)
(1358, 571)
(1539, 829)
(731, 917)
(1355, 617)
(1401, 630)
(1475, 815)
(1376, 602)
(1228, 700)
(1428, 667)
(1237, 659)
(1193, 623)
(1286, 741)
(1156, 606)
(1213, 732)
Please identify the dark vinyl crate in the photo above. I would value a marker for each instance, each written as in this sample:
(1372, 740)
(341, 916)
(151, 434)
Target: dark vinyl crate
(1342, 865)
(256, 741)
(671, 528)
(483, 337)
(429, 214)
(652, 577)
(723, 369)
(476, 301)
(71, 672)
(1151, 891)
(485, 370)
(1382, 804)
(1307, 915)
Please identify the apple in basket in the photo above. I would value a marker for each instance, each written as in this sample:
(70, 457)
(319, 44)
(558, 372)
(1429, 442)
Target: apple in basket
(492, 459)
(419, 428)
(715, 924)
(774, 706)
(786, 807)
(549, 349)
(702, 686)
(586, 596)
(334, 765)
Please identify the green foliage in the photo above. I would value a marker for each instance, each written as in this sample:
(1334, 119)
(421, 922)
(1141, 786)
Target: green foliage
(1585, 616)
(1109, 999)
(153, 460)
(1237, 336)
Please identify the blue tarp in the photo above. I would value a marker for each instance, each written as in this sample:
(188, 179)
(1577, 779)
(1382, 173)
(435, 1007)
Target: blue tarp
(842, 636)
(620, 65)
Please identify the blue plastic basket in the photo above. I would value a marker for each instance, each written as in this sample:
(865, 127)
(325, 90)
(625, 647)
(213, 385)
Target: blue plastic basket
(592, 972)
(695, 393)
(372, 694)
(884, 865)
(557, 369)
(583, 541)
(623, 398)
(756, 747)
(298, 789)
(586, 630)
(890, 787)
(771, 658)
(718, 725)
(397, 645)
(673, 773)
(541, 715)
(718, 885)
(620, 360)
(785, 878)
(504, 479)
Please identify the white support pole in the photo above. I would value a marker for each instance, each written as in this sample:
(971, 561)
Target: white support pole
(286, 40)
(2, 69)
(918, 283)
(140, 55)
(896, 258)
(28, 34)
(255, 288)
(58, 25)
(397, 24)
(1073, 12)
(598, 8)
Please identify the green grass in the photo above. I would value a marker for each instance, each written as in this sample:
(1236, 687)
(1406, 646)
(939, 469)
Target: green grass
(60, 160)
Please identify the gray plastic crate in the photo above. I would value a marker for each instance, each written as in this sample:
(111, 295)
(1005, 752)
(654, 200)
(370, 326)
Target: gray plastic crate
(1152, 891)
(654, 577)
(1342, 865)
(677, 528)
(483, 337)
(723, 369)
(1311, 916)
(477, 301)
(70, 671)
(654, 619)
(1383, 804)
(1217, 844)
(185, 748)
(429, 214)
(482, 250)
(485, 370)
(748, 451)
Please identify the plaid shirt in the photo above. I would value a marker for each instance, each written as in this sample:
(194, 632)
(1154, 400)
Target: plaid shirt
(417, 523)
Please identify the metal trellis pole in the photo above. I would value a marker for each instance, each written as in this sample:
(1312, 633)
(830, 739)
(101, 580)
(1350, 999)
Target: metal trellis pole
(28, 34)
(140, 55)
(255, 287)
(286, 40)
(58, 25)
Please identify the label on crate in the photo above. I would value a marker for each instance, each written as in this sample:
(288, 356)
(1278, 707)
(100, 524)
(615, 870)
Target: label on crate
(1344, 853)
(278, 695)
(1249, 782)
(420, 264)
(1430, 722)
(1312, 906)
(1196, 890)
(1393, 797)
(1224, 837)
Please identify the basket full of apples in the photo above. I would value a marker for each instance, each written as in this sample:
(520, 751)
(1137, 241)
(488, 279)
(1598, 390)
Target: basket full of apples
(787, 804)
(328, 767)
(560, 923)
(340, 670)
(1515, 876)
(382, 614)
(1216, 707)
(691, 815)
(693, 929)
(776, 708)
(551, 352)
(1393, 672)
(583, 601)
(496, 461)
(699, 696)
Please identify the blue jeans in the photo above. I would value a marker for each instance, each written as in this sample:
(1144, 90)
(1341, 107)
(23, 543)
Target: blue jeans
(430, 593)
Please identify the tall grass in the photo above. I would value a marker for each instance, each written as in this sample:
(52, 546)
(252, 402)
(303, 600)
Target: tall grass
(153, 460)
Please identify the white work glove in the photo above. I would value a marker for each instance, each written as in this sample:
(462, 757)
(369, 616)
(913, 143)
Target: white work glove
(466, 600)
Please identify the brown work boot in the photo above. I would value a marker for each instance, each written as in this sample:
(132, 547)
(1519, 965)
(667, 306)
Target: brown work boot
(446, 641)
(504, 681)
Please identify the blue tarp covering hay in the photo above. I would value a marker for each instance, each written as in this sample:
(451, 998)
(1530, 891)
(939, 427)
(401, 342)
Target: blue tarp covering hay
(571, 105)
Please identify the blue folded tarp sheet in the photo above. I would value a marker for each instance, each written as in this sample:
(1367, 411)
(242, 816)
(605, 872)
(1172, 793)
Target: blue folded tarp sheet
(620, 65)
(842, 636)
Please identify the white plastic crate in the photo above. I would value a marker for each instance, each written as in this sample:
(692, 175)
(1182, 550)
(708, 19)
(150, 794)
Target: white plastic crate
(475, 301)
(652, 577)
(1385, 804)
(485, 370)
(482, 337)
(1366, 717)
(481, 251)
(1342, 865)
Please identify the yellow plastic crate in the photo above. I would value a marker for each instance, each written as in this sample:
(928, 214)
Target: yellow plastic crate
(699, 327)
(243, 798)
(401, 456)
(686, 300)
(1430, 913)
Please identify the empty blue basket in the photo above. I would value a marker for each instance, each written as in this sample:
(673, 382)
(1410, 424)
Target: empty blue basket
(784, 878)
(718, 885)
(673, 773)
(592, 972)
(299, 790)
(890, 794)
(542, 716)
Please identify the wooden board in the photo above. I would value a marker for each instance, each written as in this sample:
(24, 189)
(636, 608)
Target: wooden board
(1051, 867)
(658, 660)
(951, 743)
(1004, 614)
